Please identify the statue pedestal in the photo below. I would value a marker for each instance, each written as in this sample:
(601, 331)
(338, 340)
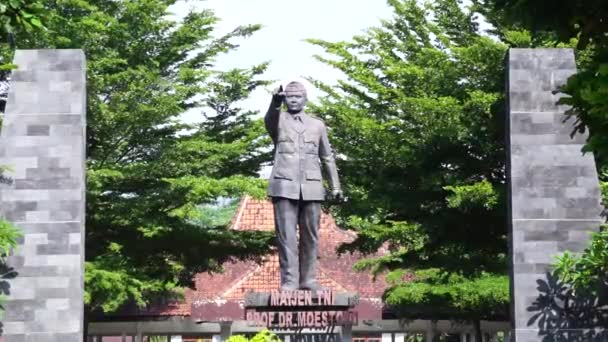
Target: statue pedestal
(297, 310)
(303, 312)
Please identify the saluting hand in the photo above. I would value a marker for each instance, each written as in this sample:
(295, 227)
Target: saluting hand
(278, 95)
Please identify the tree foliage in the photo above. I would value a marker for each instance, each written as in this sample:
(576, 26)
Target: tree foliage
(420, 124)
(17, 16)
(456, 295)
(148, 172)
(584, 20)
(8, 239)
(587, 272)
(589, 106)
(262, 336)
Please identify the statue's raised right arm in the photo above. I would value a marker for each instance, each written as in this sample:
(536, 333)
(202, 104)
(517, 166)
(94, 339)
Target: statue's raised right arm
(271, 120)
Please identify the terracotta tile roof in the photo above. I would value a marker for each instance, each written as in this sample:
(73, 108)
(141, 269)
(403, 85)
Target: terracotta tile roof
(254, 214)
(334, 272)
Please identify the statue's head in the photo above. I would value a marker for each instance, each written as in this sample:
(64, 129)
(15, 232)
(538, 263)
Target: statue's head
(295, 97)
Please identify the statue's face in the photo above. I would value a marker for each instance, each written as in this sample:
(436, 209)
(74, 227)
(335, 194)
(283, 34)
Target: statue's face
(295, 101)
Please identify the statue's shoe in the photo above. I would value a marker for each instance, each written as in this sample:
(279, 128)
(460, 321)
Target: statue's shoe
(288, 287)
(312, 287)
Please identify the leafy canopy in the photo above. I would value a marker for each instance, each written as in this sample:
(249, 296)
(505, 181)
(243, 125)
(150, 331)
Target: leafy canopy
(262, 336)
(17, 16)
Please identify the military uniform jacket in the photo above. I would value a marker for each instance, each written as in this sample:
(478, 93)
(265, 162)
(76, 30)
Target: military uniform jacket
(300, 147)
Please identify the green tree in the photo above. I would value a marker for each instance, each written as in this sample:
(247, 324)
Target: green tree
(17, 16)
(584, 20)
(262, 336)
(8, 239)
(583, 23)
(148, 172)
(419, 124)
(588, 271)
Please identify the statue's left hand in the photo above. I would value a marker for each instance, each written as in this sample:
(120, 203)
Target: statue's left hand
(337, 195)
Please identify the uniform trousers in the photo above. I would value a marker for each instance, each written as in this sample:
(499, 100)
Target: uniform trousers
(298, 265)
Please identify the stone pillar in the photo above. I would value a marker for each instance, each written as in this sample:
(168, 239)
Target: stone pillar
(43, 142)
(225, 330)
(554, 191)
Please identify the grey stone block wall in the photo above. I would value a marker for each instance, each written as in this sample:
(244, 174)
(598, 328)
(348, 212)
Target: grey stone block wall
(554, 190)
(43, 142)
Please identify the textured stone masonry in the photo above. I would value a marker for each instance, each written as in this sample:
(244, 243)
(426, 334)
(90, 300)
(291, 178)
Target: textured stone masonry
(554, 190)
(43, 142)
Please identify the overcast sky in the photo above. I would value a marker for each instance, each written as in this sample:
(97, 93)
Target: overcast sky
(286, 23)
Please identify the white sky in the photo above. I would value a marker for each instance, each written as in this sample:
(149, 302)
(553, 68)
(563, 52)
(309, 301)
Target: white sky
(286, 23)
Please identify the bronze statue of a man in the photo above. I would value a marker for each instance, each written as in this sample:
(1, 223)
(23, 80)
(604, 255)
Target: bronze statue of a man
(296, 185)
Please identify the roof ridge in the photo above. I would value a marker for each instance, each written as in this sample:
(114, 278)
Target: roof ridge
(241, 280)
(326, 275)
(383, 249)
(237, 218)
(334, 226)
